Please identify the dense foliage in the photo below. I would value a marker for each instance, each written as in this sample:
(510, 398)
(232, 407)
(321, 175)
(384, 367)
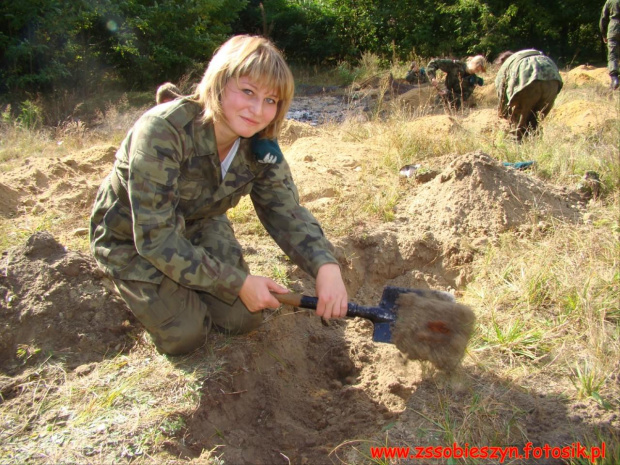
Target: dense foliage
(85, 46)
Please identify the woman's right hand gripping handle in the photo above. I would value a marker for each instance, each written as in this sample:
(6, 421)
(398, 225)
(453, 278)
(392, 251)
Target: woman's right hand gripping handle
(256, 293)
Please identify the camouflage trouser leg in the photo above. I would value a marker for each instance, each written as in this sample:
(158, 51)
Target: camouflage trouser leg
(217, 237)
(532, 104)
(613, 50)
(174, 316)
(178, 318)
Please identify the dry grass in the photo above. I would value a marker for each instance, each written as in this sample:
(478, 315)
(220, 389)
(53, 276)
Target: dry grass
(548, 303)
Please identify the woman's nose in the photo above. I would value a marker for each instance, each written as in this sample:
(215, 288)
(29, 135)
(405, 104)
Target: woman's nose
(257, 106)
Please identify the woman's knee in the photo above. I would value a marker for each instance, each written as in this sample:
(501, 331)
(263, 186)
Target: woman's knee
(179, 344)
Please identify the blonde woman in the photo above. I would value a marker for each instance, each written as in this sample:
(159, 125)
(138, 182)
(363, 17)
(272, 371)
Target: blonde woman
(460, 79)
(159, 227)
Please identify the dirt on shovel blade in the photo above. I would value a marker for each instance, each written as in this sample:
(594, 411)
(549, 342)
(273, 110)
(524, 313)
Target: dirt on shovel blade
(434, 330)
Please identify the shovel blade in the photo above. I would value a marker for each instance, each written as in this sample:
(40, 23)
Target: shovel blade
(382, 332)
(388, 309)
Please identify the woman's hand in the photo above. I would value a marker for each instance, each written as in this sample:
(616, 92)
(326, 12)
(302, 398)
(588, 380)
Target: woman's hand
(256, 293)
(331, 292)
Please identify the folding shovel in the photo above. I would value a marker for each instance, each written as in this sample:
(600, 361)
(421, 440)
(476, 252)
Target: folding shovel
(383, 317)
(423, 324)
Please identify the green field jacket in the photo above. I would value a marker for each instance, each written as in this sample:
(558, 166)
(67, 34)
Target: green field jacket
(457, 77)
(519, 71)
(610, 19)
(169, 166)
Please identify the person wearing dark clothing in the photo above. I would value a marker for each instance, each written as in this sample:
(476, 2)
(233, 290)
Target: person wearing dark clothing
(610, 29)
(460, 79)
(527, 84)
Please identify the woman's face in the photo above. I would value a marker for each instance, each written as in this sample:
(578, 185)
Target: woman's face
(248, 106)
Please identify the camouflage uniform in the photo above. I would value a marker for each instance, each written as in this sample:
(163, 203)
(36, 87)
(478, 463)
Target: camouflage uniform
(159, 226)
(459, 82)
(610, 29)
(527, 84)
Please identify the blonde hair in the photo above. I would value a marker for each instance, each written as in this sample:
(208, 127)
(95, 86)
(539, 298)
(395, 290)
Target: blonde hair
(477, 62)
(252, 56)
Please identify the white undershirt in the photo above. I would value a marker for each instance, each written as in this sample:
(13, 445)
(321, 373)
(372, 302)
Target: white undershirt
(229, 158)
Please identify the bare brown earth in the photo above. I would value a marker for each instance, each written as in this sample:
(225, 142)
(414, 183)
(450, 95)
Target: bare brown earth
(298, 391)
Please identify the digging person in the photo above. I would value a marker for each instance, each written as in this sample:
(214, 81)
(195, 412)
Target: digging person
(159, 227)
(461, 78)
(527, 84)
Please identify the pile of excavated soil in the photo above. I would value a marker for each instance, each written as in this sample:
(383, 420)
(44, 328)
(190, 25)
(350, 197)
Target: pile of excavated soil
(67, 184)
(431, 329)
(586, 75)
(475, 196)
(581, 118)
(293, 130)
(484, 122)
(56, 304)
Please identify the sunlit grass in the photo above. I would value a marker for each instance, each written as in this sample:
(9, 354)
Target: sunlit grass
(547, 303)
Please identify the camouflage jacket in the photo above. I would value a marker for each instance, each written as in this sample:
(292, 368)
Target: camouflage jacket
(169, 166)
(610, 19)
(458, 79)
(519, 71)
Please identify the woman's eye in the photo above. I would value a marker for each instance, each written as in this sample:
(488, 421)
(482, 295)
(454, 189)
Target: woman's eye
(248, 91)
(271, 101)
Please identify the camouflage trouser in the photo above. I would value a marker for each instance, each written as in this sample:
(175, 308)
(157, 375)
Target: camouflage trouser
(532, 104)
(613, 50)
(178, 318)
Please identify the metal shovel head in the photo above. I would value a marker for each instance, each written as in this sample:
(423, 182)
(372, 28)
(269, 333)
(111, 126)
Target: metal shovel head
(388, 309)
(382, 332)
(383, 317)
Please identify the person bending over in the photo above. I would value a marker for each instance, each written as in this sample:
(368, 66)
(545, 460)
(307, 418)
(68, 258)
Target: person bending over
(460, 79)
(527, 84)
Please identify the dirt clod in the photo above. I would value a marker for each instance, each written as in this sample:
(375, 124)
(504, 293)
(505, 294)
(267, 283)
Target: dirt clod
(433, 330)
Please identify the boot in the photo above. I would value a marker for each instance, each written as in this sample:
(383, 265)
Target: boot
(615, 82)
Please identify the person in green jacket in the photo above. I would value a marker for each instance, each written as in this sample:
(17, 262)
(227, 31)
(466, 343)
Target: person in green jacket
(460, 79)
(610, 30)
(527, 85)
(159, 228)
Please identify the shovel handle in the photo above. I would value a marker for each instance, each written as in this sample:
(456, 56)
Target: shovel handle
(297, 300)
(374, 314)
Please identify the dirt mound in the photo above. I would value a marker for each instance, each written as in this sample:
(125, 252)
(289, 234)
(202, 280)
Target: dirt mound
(433, 126)
(582, 118)
(586, 75)
(484, 121)
(55, 305)
(9, 199)
(324, 168)
(487, 94)
(293, 130)
(475, 195)
(66, 184)
(423, 96)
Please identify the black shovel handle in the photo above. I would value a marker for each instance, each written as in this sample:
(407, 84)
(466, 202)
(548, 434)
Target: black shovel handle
(374, 314)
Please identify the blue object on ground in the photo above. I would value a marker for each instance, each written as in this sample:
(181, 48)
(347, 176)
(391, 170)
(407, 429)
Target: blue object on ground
(520, 165)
